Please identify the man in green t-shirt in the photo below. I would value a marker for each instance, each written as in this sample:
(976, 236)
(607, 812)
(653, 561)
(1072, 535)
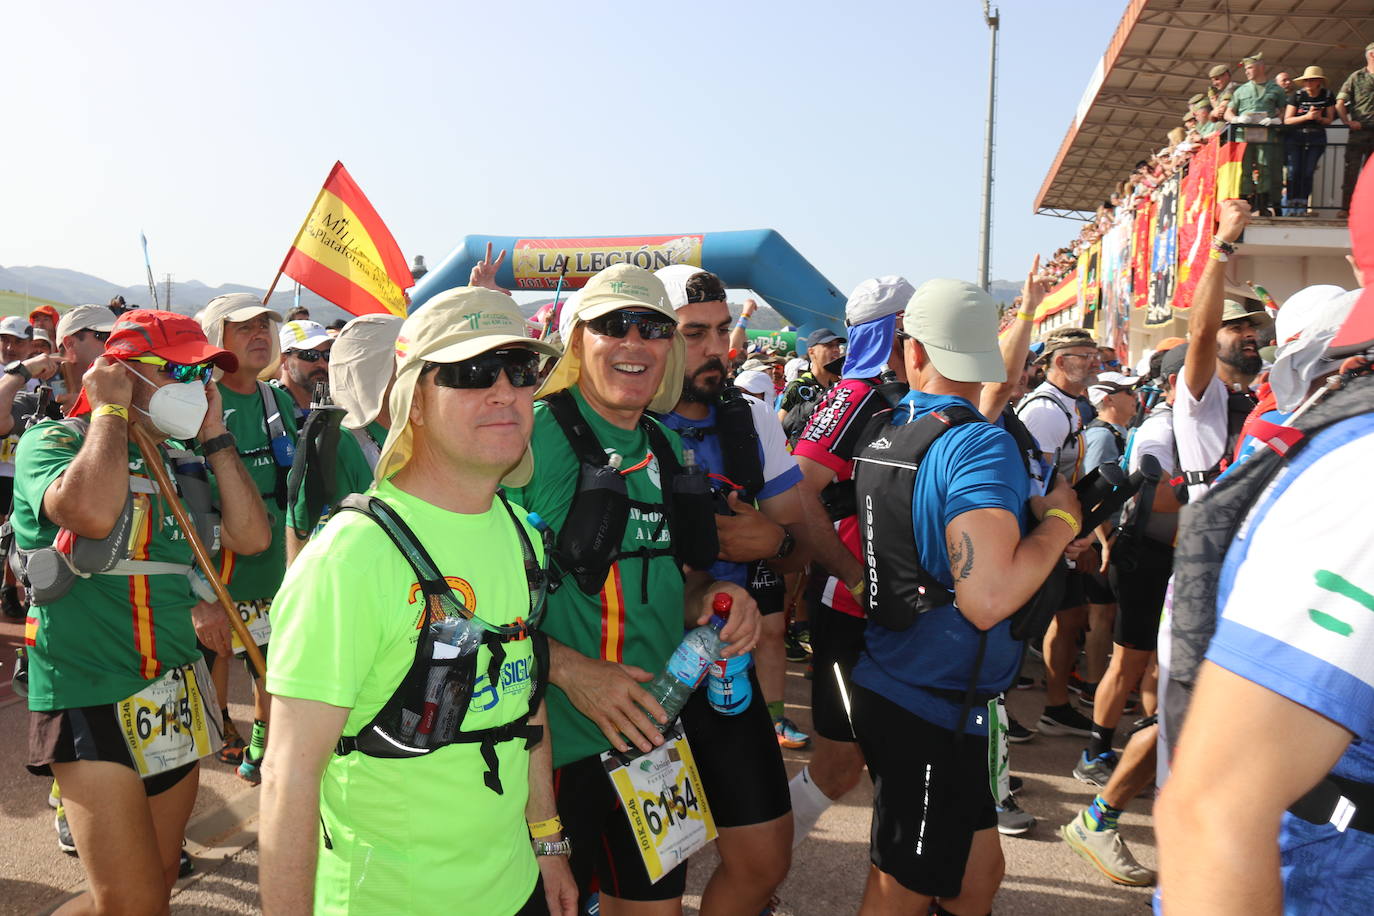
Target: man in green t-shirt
(623, 356)
(361, 366)
(452, 826)
(121, 706)
(1260, 101)
(261, 418)
(1355, 105)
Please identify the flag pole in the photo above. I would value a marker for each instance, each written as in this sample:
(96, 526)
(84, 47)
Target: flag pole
(555, 312)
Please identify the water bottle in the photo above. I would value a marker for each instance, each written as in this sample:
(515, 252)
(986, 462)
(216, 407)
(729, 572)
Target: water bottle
(454, 637)
(690, 661)
(727, 686)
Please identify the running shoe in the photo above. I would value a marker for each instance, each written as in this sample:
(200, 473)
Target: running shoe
(1018, 733)
(1106, 851)
(54, 796)
(1064, 721)
(1011, 820)
(1098, 770)
(789, 736)
(64, 832)
(186, 866)
(801, 632)
(796, 651)
(1025, 682)
(231, 752)
(250, 771)
(1015, 783)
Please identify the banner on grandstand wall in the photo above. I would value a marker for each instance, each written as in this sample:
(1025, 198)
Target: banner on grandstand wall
(1113, 325)
(1230, 169)
(1089, 282)
(1141, 235)
(1197, 203)
(539, 262)
(1163, 256)
(1063, 296)
(345, 253)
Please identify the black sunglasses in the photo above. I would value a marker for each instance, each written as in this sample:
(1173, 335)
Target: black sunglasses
(520, 365)
(652, 326)
(311, 356)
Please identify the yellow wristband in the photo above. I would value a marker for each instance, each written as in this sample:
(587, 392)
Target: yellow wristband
(1024, 317)
(546, 828)
(1066, 518)
(111, 410)
(1217, 254)
(857, 590)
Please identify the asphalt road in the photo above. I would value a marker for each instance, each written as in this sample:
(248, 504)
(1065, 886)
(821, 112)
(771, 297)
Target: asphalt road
(827, 876)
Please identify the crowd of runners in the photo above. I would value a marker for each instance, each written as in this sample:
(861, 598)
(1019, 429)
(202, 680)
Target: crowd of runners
(471, 572)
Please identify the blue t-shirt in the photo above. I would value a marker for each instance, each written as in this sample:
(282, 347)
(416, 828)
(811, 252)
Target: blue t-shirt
(776, 461)
(1249, 445)
(974, 466)
(1099, 446)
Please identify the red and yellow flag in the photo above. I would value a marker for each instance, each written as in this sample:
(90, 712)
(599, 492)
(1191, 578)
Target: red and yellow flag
(345, 253)
(1230, 170)
(1063, 296)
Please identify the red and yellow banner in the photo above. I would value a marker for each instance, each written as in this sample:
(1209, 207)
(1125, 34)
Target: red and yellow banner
(1230, 170)
(345, 253)
(1196, 205)
(1142, 242)
(1063, 296)
(538, 263)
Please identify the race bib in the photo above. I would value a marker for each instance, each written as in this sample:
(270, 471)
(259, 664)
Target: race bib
(8, 446)
(169, 723)
(254, 615)
(662, 796)
(999, 773)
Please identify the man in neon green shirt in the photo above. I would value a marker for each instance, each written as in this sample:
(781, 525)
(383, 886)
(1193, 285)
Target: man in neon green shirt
(449, 830)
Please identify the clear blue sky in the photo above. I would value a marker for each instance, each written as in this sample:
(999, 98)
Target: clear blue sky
(854, 129)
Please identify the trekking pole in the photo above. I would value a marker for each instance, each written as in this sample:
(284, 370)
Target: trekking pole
(152, 457)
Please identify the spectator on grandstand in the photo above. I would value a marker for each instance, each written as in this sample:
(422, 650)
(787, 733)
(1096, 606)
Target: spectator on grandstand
(1259, 101)
(1308, 112)
(305, 349)
(824, 350)
(1355, 105)
(1200, 107)
(1220, 91)
(1284, 81)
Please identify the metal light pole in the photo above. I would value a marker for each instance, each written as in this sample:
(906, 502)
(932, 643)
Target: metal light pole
(993, 19)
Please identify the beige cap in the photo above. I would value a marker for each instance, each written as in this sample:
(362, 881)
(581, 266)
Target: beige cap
(85, 318)
(233, 307)
(455, 325)
(956, 322)
(617, 287)
(362, 363)
(1218, 70)
(1256, 58)
(1312, 73)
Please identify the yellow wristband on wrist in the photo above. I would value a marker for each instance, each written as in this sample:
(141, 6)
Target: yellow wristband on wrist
(1022, 316)
(111, 410)
(546, 828)
(1066, 518)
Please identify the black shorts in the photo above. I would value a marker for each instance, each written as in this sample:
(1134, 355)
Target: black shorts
(836, 639)
(605, 856)
(88, 733)
(1097, 588)
(741, 766)
(929, 797)
(767, 588)
(1140, 594)
(6, 495)
(1075, 590)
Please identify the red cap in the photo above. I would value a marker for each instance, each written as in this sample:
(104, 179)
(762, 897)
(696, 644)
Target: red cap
(721, 604)
(45, 310)
(174, 337)
(1357, 333)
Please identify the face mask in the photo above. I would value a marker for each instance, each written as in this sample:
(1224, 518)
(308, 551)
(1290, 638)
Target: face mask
(177, 410)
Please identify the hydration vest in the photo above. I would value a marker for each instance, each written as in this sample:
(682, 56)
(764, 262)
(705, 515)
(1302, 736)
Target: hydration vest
(313, 466)
(740, 449)
(838, 496)
(1238, 407)
(1069, 453)
(279, 445)
(392, 732)
(1120, 440)
(589, 541)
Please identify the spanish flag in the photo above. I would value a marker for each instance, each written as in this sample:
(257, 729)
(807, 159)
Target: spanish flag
(1230, 170)
(345, 253)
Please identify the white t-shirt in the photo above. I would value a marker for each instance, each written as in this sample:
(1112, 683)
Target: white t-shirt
(777, 460)
(1155, 436)
(1053, 421)
(1200, 430)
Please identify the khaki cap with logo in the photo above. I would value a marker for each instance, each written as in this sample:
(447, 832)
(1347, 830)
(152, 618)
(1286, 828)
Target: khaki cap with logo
(617, 287)
(956, 322)
(362, 363)
(85, 318)
(453, 326)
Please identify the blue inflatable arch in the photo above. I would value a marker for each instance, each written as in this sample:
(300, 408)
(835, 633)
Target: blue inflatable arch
(757, 259)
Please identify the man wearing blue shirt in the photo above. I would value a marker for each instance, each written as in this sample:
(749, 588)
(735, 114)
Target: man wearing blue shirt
(934, 837)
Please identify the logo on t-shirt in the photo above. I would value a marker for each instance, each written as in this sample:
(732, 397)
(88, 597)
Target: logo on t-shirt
(461, 586)
(826, 420)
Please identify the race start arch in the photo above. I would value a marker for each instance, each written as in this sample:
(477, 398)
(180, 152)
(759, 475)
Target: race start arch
(756, 259)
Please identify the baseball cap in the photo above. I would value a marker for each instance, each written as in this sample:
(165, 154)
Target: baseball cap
(14, 326)
(43, 335)
(1218, 70)
(877, 298)
(675, 277)
(85, 318)
(956, 322)
(1172, 364)
(362, 363)
(45, 310)
(233, 307)
(1110, 383)
(302, 334)
(757, 383)
(176, 338)
(821, 336)
(618, 286)
(455, 325)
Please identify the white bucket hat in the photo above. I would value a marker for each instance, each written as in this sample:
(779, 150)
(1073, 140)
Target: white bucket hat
(362, 363)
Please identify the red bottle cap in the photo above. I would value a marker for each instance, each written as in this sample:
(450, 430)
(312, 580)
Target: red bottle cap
(721, 604)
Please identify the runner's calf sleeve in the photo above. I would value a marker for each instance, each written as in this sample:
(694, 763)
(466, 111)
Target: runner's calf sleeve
(1101, 740)
(257, 745)
(776, 709)
(808, 804)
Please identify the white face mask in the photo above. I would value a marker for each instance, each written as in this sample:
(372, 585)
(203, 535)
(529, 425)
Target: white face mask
(178, 409)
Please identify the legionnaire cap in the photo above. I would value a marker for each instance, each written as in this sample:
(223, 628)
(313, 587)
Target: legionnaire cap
(1172, 363)
(617, 287)
(14, 326)
(1257, 57)
(1064, 338)
(956, 322)
(1197, 100)
(233, 307)
(302, 334)
(362, 363)
(85, 318)
(1218, 70)
(453, 326)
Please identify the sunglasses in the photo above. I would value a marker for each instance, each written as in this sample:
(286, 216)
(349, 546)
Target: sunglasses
(652, 326)
(520, 365)
(311, 356)
(180, 372)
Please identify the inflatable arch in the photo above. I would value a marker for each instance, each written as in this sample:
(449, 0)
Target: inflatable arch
(756, 259)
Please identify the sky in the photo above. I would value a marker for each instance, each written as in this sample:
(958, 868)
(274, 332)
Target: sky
(854, 129)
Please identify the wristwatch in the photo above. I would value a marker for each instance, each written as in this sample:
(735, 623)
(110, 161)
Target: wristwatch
(18, 368)
(788, 545)
(212, 445)
(552, 848)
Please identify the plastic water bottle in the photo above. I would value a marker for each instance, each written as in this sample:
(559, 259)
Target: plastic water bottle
(690, 661)
(727, 686)
(454, 637)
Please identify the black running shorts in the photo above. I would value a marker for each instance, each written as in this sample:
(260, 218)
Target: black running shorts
(767, 588)
(929, 797)
(741, 766)
(88, 733)
(605, 856)
(1140, 595)
(836, 639)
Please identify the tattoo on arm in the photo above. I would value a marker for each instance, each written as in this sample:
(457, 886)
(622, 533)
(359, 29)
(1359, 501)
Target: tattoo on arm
(961, 557)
